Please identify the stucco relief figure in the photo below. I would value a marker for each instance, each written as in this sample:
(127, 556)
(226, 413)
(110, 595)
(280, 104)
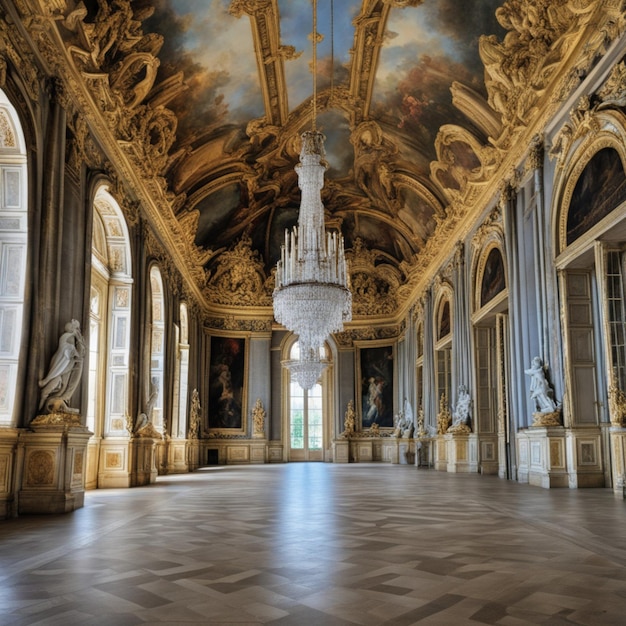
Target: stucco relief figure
(540, 390)
(66, 368)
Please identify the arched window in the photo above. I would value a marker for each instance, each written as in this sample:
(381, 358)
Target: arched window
(443, 344)
(181, 391)
(157, 346)
(109, 318)
(13, 252)
(600, 188)
(306, 416)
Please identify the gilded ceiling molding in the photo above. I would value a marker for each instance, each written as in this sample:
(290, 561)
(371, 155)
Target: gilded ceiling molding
(613, 93)
(462, 163)
(582, 122)
(270, 55)
(519, 68)
(477, 109)
(369, 35)
(239, 279)
(14, 50)
(374, 287)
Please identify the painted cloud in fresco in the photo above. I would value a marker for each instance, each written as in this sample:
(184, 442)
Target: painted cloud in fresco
(428, 48)
(206, 42)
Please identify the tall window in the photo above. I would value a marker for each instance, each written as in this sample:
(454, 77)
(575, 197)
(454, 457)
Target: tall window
(306, 419)
(109, 318)
(181, 392)
(157, 347)
(13, 248)
(617, 315)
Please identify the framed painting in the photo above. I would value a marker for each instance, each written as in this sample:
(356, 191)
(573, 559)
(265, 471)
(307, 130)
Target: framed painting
(227, 376)
(376, 373)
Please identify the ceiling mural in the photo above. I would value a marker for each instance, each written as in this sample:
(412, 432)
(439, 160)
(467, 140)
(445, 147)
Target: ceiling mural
(409, 57)
(203, 103)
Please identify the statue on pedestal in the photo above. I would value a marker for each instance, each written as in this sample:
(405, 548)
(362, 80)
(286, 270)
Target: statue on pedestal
(461, 414)
(258, 419)
(444, 419)
(349, 422)
(194, 415)
(144, 426)
(548, 412)
(64, 374)
(404, 422)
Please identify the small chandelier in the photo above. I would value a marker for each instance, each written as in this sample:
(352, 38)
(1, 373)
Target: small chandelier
(312, 297)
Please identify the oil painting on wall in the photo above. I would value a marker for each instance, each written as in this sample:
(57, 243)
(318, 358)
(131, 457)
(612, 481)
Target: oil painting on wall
(376, 374)
(226, 385)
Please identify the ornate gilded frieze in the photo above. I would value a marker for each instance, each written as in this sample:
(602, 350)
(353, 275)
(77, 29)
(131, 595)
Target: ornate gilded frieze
(230, 322)
(348, 338)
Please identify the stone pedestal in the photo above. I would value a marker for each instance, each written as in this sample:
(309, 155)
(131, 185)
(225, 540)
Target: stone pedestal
(362, 450)
(177, 458)
(143, 463)
(441, 453)
(617, 435)
(341, 451)
(462, 452)
(115, 465)
(193, 454)
(8, 449)
(425, 452)
(583, 448)
(53, 476)
(542, 459)
(258, 451)
(391, 451)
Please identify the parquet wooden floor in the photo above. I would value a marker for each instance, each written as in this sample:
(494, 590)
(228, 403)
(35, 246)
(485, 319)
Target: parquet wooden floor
(320, 545)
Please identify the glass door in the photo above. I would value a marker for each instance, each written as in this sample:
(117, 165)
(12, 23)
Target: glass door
(306, 427)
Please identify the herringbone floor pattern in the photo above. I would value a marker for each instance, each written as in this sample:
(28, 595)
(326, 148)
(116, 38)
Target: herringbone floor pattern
(320, 545)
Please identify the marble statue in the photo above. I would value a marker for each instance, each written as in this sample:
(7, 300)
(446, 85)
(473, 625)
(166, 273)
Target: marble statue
(404, 422)
(540, 390)
(64, 374)
(461, 414)
(144, 425)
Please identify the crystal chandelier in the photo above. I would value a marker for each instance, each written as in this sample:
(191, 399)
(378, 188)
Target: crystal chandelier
(312, 296)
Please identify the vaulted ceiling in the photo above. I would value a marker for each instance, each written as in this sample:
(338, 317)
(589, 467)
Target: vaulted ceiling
(198, 106)
(385, 72)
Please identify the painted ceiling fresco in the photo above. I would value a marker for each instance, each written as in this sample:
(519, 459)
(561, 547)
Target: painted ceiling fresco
(385, 72)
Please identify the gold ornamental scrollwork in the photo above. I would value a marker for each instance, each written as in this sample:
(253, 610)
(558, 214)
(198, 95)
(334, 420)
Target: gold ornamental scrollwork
(617, 406)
